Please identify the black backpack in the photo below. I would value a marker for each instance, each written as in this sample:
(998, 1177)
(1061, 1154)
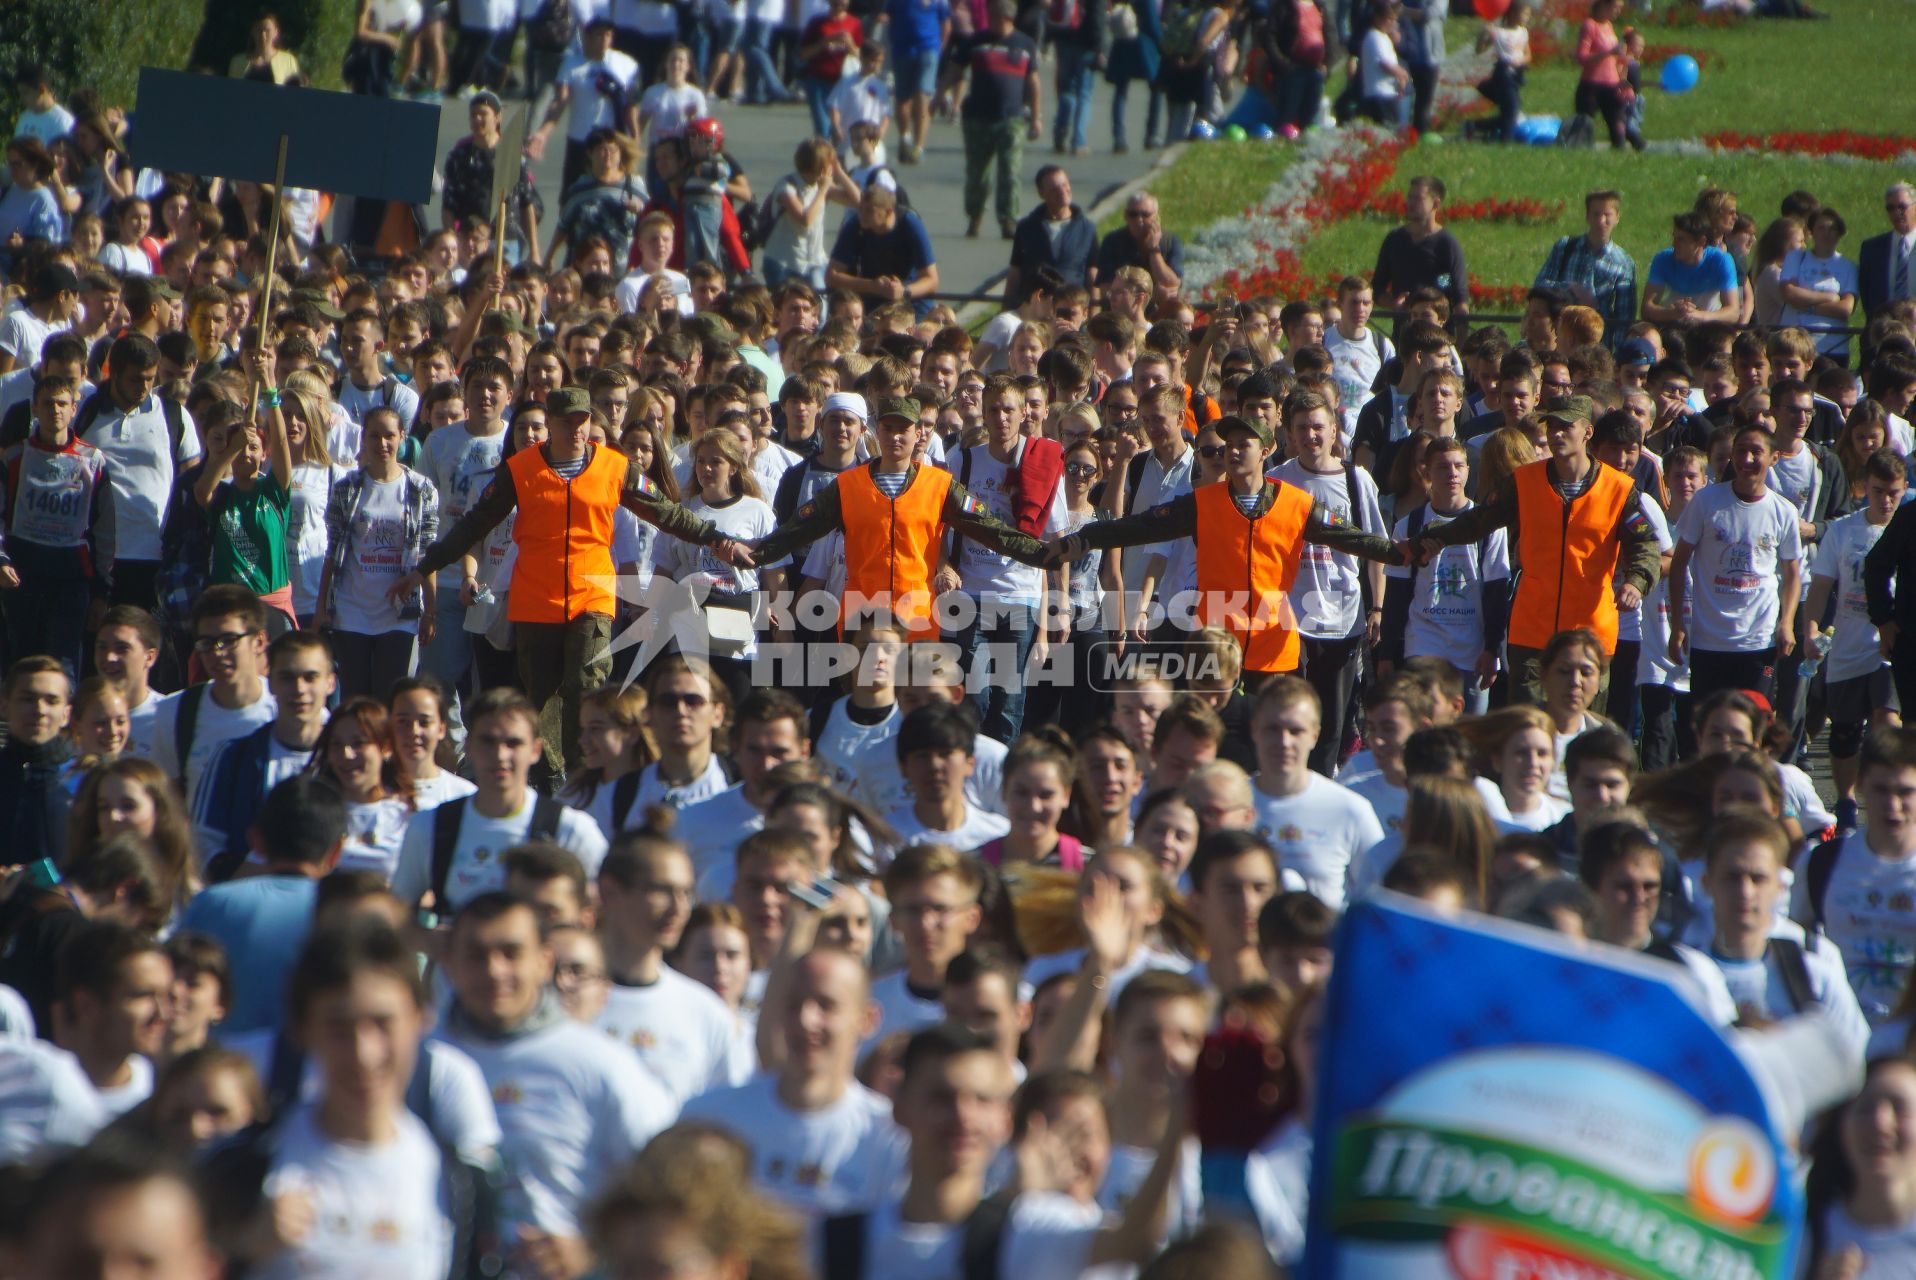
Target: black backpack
(1817, 870)
(843, 1238)
(96, 404)
(550, 29)
(445, 835)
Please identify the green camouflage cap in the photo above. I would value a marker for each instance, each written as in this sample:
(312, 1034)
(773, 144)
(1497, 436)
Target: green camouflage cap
(713, 327)
(568, 400)
(317, 299)
(1225, 426)
(899, 407)
(1569, 409)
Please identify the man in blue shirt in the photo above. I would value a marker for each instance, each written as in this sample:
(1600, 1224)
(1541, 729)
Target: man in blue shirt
(883, 253)
(263, 920)
(1691, 281)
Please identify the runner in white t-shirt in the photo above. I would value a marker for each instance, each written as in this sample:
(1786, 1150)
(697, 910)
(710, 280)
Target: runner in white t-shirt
(1317, 827)
(501, 748)
(1740, 547)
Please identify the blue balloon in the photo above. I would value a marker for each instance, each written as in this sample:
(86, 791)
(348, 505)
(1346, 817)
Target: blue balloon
(1263, 132)
(1680, 74)
(1203, 131)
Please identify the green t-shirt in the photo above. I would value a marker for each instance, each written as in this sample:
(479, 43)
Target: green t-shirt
(249, 536)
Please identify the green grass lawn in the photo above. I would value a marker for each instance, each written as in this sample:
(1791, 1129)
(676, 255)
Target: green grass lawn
(1762, 83)
(1654, 187)
(1774, 75)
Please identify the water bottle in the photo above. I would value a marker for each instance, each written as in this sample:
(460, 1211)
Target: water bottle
(1819, 649)
(483, 595)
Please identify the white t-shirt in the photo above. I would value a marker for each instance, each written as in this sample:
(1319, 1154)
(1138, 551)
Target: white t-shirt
(711, 830)
(1328, 594)
(378, 1210)
(1760, 992)
(460, 465)
(627, 292)
(389, 393)
(1869, 912)
(841, 1158)
(120, 1099)
(1446, 617)
(141, 464)
(45, 1099)
(574, 1109)
(975, 829)
(22, 334)
(861, 100)
(1733, 571)
(653, 790)
(430, 793)
(375, 559)
(1653, 658)
(1835, 276)
(374, 834)
(986, 574)
(1130, 1166)
(1889, 1253)
(311, 490)
(589, 107)
(648, 17)
(140, 722)
(477, 865)
(1795, 476)
(668, 110)
(745, 519)
(1048, 1234)
(901, 1008)
(1318, 832)
(1386, 800)
(679, 1029)
(1355, 364)
(1839, 557)
(1378, 59)
(215, 727)
(1546, 813)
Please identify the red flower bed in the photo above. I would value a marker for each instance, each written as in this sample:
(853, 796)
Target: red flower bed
(1838, 142)
(1521, 209)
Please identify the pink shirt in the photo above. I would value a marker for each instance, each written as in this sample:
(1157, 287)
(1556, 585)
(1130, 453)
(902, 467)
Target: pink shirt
(1597, 37)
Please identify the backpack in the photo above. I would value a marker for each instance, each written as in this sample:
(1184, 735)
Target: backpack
(1064, 15)
(96, 404)
(625, 790)
(1794, 970)
(550, 29)
(843, 1238)
(445, 835)
(186, 723)
(1578, 131)
(1817, 870)
(1181, 27)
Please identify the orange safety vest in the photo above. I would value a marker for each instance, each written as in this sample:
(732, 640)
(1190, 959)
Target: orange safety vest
(564, 532)
(890, 545)
(1245, 568)
(1568, 556)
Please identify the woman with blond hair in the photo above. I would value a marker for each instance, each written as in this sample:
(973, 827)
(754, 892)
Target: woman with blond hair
(1507, 450)
(1444, 814)
(613, 743)
(1518, 749)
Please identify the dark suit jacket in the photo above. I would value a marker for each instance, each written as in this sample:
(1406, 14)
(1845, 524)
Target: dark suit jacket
(1872, 273)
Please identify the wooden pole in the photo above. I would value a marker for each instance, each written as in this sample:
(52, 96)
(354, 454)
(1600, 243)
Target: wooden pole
(499, 239)
(272, 259)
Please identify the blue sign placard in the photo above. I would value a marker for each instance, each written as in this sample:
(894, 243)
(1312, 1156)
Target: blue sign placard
(1494, 1102)
(345, 143)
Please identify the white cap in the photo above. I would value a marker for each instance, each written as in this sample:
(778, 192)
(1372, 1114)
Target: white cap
(849, 401)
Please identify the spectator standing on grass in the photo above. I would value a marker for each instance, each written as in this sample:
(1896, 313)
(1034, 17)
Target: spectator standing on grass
(1421, 254)
(1600, 86)
(883, 253)
(1886, 264)
(1143, 242)
(1594, 268)
(1004, 104)
(1057, 234)
(1819, 285)
(1692, 280)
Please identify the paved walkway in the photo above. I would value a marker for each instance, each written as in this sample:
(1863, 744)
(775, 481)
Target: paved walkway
(764, 138)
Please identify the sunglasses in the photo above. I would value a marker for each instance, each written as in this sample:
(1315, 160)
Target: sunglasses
(1212, 452)
(1081, 471)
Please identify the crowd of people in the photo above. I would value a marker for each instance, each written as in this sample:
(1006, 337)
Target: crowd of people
(398, 886)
